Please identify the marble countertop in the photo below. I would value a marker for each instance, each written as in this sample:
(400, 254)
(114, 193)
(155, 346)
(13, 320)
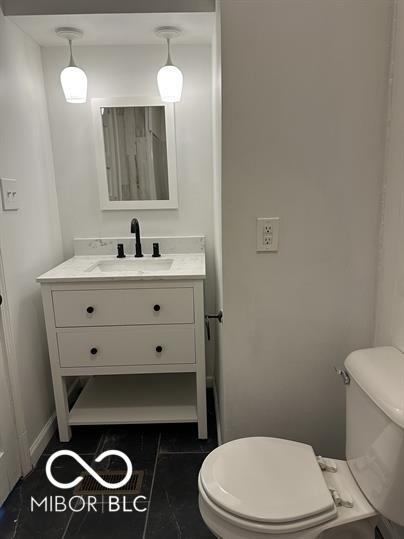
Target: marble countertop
(84, 268)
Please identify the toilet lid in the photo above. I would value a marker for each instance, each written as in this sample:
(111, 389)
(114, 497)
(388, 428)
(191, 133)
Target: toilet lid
(267, 480)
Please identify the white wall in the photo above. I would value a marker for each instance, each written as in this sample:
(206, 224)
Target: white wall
(217, 204)
(304, 107)
(131, 71)
(390, 291)
(390, 298)
(30, 237)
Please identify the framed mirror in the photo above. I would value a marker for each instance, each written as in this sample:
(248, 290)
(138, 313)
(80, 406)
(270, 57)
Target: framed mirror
(136, 153)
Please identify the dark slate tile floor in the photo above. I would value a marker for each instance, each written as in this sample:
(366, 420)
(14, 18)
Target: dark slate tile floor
(170, 455)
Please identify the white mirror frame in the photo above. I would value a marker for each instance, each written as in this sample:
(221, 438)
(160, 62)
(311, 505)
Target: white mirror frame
(105, 202)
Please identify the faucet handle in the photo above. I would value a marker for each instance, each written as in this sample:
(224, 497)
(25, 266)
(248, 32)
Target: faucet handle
(156, 250)
(121, 252)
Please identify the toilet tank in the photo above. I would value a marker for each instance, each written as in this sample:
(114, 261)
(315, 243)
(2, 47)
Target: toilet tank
(375, 427)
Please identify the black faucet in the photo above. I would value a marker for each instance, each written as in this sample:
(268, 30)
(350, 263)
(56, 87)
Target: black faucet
(135, 229)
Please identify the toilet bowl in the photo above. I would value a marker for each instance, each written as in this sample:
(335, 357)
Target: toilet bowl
(260, 487)
(256, 487)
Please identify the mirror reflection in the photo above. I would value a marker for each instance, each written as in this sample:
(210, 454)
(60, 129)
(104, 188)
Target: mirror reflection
(135, 145)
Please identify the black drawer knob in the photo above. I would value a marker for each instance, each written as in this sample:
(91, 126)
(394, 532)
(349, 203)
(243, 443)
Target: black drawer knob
(157, 308)
(90, 309)
(159, 349)
(94, 351)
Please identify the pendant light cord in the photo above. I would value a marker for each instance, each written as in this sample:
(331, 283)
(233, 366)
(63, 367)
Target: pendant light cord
(169, 61)
(72, 62)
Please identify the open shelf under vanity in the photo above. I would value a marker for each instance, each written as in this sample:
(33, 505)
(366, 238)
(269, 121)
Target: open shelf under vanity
(143, 398)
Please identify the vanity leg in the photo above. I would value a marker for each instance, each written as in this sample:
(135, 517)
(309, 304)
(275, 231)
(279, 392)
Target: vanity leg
(59, 383)
(62, 408)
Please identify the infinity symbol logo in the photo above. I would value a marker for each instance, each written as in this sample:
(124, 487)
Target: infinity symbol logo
(84, 464)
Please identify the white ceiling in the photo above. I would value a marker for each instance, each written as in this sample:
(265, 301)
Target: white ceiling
(118, 28)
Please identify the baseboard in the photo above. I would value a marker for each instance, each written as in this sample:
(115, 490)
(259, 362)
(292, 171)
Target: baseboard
(384, 530)
(388, 530)
(217, 412)
(41, 441)
(25, 456)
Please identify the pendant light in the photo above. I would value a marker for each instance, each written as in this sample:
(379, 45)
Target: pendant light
(73, 78)
(169, 77)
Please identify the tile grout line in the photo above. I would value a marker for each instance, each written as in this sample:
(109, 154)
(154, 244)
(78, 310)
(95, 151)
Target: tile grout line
(185, 452)
(100, 443)
(78, 452)
(67, 524)
(151, 487)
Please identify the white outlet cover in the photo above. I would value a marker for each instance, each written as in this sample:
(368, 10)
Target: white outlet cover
(267, 234)
(9, 194)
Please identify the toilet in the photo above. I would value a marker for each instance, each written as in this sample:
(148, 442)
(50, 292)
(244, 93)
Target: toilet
(259, 487)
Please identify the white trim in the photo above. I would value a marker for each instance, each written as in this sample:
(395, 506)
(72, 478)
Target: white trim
(105, 202)
(385, 528)
(217, 412)
(209, 382)
(14, 378)
(41, 441)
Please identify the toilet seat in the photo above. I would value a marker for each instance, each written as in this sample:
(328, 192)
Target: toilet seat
(256, 527)
(224, 477)
(267, 484)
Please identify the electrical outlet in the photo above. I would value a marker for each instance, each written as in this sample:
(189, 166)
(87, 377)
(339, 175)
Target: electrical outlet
(267, 240)
(267, 234)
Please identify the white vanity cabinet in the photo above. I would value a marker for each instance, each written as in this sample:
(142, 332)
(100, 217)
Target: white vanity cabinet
(139, 342)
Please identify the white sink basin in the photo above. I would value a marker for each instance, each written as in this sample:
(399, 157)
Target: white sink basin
(132, 264)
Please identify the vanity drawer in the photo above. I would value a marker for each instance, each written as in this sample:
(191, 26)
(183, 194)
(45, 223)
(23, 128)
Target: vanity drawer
(123, 307)
(143, 345)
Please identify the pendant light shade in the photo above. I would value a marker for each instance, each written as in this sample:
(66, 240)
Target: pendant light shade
(169, 78)
(169, 81)
(72, 78)
(74, 84)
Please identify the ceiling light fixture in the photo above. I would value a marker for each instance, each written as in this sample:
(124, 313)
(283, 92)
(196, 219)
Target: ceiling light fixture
(169, 77)
(73, 78)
